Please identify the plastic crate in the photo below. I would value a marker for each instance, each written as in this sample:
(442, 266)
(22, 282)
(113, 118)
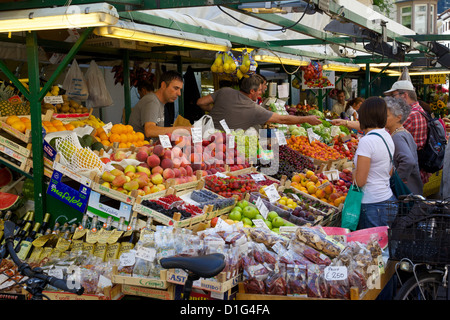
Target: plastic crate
(420, 231)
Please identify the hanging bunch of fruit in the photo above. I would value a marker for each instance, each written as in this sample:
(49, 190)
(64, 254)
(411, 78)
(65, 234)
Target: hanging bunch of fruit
(247, 65)
(313, 76)
(136, 74)
(225, 63)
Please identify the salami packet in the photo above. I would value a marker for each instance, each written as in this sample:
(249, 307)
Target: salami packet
(310, 253)
(275, 282)
(296, 280)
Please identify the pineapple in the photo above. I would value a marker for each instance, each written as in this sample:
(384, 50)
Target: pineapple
(6, 107)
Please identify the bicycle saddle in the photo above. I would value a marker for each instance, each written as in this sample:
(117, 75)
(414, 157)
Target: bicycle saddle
(206, 266)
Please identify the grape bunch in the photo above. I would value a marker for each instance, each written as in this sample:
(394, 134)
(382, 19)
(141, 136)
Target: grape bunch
(290, 161)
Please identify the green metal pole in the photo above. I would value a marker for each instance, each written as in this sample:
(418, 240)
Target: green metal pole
(367, 94)
(320, 99)
(126, 85)
(14, 80)
(67, 59)
(36, 125)
(180, 98)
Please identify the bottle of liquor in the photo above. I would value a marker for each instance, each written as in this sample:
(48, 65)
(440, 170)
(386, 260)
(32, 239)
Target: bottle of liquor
(113, 249)
(94, 224)
(20, 223)
(21, 235)
(107, 224)
(45, 223)
(26, 243)
(130, 237)
(7, 216)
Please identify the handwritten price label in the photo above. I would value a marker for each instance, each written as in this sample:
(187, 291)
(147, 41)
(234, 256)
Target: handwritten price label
(335, 273)
(272, 193)
(196, 135)
(262, 208)
(225, 127)
(165, 141)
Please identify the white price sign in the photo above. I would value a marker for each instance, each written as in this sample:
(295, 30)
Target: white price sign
(311, 135)
(165, 141)
(225, 127)
(107, 127)
(272, 193)
(262, 208)
(53, 99)
(127, 258)
(147, 254)
(258, 177)
(196, 135)
(259, 223)
(281, 138)
(335, 273)
(230, 141)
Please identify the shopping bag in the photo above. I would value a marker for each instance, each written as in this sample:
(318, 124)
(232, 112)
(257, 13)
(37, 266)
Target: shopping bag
(352, 208)
(399, 188)
(75, 84)
(98, 92)
(207, 125)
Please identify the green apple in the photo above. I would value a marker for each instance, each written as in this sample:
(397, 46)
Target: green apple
(247, 221)
(271, 215)
(250, 212)
(242, 204)
(237, 208)
(276, 230)
(277, 222)
(269, 224)
(235, 215)
(258, 216)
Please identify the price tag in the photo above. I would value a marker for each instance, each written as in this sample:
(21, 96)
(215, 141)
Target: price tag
(221, 175)
(311, 135)
(128, 258)
(53, 99)
(332, 175)
(107, 127)
(281, 138)
(295, 197)
(272, 193)
(230, 141)
(258, 177)
(225, 127)
(196, 135)
(147, 254)
(335, 131)
(259, 223)
(165, 141)
(335, 273)
(262, 208)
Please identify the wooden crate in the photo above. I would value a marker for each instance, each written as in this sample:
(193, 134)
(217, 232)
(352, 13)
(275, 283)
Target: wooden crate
(140, 281)
(370, 294)
(161, 294)
(25, 137)
(109, 293)
(15, 144)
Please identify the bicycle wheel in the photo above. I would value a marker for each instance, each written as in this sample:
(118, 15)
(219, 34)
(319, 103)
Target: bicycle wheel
(428, 286)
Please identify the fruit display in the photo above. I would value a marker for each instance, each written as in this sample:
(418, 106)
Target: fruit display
(318, 186)
(10, 102)
(170, 204)
(299, 109)
(68, 106)
(313, 76)
(123, 134)
(314, 149)
(246, 213)
(247, 143)
(231, 185)
(206, 198)
(348, 148)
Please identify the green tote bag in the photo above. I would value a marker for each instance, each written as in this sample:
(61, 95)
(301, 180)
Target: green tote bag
(352, 208)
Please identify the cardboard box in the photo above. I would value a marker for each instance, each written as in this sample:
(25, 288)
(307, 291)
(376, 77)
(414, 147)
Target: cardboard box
(98, 41)
(69, 191)
(198, 294)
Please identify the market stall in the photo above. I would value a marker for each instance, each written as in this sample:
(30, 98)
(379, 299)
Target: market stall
(103, 202)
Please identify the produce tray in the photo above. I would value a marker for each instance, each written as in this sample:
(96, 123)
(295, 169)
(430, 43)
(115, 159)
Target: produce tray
(140, 281)
(15, 144)
(25, 137)
(15, 160)
(162, 218)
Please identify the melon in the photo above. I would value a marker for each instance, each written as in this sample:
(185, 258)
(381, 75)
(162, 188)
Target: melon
(10, 201)
(6, 177)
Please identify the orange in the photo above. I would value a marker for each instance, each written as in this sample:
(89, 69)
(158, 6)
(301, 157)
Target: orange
(103, 136)
(99, 131)
(57, 123)
(25, 119)
(27, 126)
(51, 129)
(106, 143)
(122, 145)
(19, 126)
(47, 123)
(69, 126)
(128, 128)
(11, 119)
(140, 136)
(117, 128)
(123, 138)
(145, 142)
(114, 137)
